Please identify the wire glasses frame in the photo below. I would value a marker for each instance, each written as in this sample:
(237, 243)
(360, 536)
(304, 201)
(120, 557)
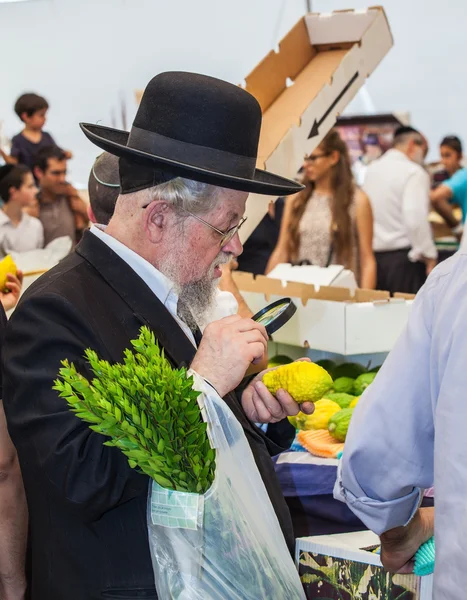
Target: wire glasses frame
(226, 235)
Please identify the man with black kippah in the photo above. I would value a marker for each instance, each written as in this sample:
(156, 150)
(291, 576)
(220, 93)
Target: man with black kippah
(186, 168)
(399, 191)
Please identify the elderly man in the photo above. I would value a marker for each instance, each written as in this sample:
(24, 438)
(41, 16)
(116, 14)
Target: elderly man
(186, 169)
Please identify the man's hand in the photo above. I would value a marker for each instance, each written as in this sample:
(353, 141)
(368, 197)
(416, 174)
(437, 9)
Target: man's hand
(261, 406)
(13, 284)
(227, 349)
(399, 545)
(430, 264)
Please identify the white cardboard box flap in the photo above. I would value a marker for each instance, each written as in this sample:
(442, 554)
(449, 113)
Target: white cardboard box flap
(327, 58)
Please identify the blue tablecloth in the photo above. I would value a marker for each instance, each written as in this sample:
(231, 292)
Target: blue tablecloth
(307, 483)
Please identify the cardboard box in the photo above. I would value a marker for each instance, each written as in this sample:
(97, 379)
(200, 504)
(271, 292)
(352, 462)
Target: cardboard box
(331, 319)
(342, 566)
(303, 87)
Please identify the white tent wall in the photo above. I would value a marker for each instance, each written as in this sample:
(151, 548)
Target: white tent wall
(86, 56)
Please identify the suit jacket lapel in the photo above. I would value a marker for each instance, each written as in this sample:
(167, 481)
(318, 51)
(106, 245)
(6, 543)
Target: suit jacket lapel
(147, 308)
(139, 297)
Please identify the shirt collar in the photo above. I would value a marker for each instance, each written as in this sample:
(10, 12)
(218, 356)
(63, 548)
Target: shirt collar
(397, 154)
(159, 284)
(4, 218)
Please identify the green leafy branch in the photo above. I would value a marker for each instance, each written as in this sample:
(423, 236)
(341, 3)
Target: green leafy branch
(148, 410)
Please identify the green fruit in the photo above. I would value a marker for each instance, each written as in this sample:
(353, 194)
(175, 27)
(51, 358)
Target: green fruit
(342, 399)
(278, 360)
(344, 385)
(352, 370)
(338, 425)
(328, 365)
(362, 382)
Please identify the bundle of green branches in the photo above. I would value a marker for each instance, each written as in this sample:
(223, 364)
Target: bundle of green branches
(148, 410)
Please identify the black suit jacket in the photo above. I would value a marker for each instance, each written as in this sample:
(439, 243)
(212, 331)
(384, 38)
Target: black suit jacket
(88, 535)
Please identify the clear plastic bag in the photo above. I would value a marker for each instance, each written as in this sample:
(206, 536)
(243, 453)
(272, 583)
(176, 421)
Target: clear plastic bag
(226, 544)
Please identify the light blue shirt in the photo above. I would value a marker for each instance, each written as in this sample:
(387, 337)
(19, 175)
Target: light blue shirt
(458, 186)
(391, 453)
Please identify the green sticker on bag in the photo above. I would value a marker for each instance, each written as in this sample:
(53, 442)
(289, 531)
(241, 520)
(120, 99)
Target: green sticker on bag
(177, 510)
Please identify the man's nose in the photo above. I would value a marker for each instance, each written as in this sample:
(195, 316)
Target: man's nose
(234, 246)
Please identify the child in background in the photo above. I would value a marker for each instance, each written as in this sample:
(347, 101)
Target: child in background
(452, 191)
(19, 232)
(32, 110)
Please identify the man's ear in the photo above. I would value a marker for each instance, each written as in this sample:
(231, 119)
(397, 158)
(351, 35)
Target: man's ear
(38, 173)
(156, 220)
(91, 215)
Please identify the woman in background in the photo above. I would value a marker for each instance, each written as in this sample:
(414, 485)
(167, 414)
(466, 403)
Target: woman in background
(330, 221)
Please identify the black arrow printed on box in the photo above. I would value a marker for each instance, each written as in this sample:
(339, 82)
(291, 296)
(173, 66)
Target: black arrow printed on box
(317, 124)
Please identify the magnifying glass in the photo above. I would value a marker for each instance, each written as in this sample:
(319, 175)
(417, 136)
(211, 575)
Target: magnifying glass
(276, 314)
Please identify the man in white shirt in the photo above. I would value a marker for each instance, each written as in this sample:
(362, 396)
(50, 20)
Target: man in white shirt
(399, 191)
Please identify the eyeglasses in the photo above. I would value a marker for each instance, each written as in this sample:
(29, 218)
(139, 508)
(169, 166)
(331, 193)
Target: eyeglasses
(226, 235)
(314, 157)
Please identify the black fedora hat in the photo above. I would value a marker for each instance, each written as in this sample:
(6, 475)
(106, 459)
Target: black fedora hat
(197, 127)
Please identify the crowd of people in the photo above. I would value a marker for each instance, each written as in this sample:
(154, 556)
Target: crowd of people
(378, 229)
(39, 205)
(163, 231)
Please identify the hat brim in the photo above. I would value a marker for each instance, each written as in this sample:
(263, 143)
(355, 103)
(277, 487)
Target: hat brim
(115, 141)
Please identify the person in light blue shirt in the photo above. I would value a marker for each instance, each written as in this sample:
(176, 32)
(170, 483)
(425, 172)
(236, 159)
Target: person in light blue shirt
(409, 433)
(452, 191)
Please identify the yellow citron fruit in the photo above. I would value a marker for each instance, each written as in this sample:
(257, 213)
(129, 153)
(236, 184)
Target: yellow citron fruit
(324, 409)
(354, 402)
(7, 265)
(305, 381)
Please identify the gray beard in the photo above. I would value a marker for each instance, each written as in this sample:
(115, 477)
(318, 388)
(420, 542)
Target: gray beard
(195, 299)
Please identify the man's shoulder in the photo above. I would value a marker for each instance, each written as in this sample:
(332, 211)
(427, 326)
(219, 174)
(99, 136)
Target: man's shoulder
(459, 177)
(18, 138)
(61, 280)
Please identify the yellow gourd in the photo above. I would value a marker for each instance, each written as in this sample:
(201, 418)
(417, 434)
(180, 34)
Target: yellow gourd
(305, 381)
(7, 265)
(354, 402)
(324, 409)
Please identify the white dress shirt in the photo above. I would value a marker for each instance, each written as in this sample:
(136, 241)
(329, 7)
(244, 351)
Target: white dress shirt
(225, 303)
(399, 192)
(408, 431)
(27, 235)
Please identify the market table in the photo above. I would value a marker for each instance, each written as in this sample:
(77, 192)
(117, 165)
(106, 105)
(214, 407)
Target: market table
(307, 483)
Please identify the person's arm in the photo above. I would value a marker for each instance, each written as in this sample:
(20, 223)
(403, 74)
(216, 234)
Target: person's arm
(227, 284)
(441, 198)
(10, 160)
(415, 212)
(78, 206)
(13, 519)
(91, 477)
(280, 253)
(364, 217)
(389, 450)
(9, 299)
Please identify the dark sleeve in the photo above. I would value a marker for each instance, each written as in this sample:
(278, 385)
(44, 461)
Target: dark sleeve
(51, 441)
